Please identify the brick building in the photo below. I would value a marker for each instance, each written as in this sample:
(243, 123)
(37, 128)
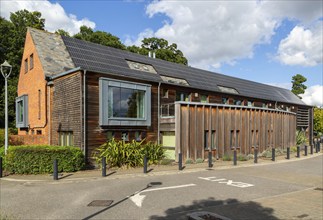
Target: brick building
(72, 92)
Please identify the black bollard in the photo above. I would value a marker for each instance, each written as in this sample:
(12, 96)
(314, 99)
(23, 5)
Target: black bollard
(180, 161)
(210, 159)
(0, 167)
(305, 150)
(55, 168)
(319, 146)
(145, 164)
(288, 153)
(235, 157)
(104, 167)
(298, 152)
(256, 156)
(311, 148)
(273, 154)
(316, 147)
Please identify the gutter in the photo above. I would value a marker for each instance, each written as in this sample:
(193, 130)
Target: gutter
(84, 115)
(158, 116)
(64, 73)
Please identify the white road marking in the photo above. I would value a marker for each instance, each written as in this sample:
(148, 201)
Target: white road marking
(228, 182)
(138, 199)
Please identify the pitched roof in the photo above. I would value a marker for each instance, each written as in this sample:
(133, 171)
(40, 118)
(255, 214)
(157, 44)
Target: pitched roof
(51, 51)
(103, 59)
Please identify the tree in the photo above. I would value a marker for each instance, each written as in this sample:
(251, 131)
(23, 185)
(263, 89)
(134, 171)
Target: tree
(298, 87)
(99, 37)
(318, 121)
(162, 50)
(12, 41)
(62, 32)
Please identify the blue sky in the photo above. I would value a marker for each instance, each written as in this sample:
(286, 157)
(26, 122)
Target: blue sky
(263, 41)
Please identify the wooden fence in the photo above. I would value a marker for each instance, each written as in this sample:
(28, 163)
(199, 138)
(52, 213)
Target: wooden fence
(200, 127)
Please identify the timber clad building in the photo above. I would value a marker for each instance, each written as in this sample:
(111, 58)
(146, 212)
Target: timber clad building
(72, 92)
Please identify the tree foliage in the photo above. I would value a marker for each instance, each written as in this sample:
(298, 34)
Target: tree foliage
(318, 121)
(298, 87)
(99, 37)
(12, 41)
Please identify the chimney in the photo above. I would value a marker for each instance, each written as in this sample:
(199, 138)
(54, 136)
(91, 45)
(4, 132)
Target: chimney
(149, 54)
(154, 55)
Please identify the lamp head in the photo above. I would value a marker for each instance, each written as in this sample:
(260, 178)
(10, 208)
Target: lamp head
(6, 69)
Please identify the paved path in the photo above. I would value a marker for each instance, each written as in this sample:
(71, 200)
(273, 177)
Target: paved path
(271, 190)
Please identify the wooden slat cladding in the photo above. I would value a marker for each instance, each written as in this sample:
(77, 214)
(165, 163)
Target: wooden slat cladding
(66, 107)
(303, 117)
(232, 127)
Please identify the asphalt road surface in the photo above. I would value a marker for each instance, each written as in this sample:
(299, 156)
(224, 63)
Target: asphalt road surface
(291, 190)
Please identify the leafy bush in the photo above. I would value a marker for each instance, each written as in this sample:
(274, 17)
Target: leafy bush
(251, 156)
(39, 159)
(2, 139)
(199, 160)
(300, 137)
(242, 157)
(166, 162)
(227, 157)
(189, 161)
(119, 153)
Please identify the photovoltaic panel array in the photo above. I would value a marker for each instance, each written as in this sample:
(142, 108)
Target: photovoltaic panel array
(103, 59)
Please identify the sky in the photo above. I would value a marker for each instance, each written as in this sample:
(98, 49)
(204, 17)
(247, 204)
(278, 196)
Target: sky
(263, 41)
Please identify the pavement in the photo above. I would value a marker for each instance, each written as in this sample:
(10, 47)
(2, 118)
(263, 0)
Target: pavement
(153, 170)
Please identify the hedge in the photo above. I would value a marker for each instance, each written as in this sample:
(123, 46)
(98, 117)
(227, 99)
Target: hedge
(39, 159)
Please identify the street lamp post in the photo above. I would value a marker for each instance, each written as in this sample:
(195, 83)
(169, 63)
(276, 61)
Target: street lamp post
(6, 71)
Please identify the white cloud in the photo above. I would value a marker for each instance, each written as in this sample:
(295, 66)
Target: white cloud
(302, 47)
(137, 40)
(54, 14)
(214, 32)
(313, 95)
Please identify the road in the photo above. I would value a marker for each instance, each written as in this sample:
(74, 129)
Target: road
(291, 190)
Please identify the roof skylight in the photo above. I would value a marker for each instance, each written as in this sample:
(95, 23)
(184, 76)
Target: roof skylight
(228, 89)
(175, 80)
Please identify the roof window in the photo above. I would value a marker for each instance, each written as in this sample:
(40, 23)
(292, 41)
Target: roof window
(228, 89)
(175, 80)
(141, 67)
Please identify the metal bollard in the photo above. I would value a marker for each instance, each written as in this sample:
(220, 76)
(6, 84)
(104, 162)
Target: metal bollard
(311, 148)
(298, 150)
(305, 150)
(55, 168)
(145, 164)
(256, 156)
(235, 157)
(210, 159)
(0, 167)
(316, 148)
(288, 153)
(180, 161)
(273, 154)
(319, 146)
(104, 167)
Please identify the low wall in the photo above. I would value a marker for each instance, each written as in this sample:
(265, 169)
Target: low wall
(28, 139)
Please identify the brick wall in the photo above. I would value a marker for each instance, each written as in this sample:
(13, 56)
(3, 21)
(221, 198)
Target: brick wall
(28, 140)
(32, 82)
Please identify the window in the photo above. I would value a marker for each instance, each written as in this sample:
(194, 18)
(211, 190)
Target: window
(138, 136)
(174, 80)
(31, 61)
(204, 99)
(206, 140)
(110, 135)
(250, 103)
(141, 66)
(125, 136)
(224, 100)
(39, 104)
(22, 111)
(66, 138)
(237, 102)
(124, 103)
(213, 139)
(39, 132)
(26, 65)
(165, 93)
(228, 89)
(182, 96)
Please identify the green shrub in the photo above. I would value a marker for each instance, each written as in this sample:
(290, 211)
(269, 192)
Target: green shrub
(242, 157)
(2, 139)
(3, 157)
(166, 162)
(189, 161)
(300, 137)
(119, 153)
(39, 159)
(199, 160)
(227, 157)
(250, 156)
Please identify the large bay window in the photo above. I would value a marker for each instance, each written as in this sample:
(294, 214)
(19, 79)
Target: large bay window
(22, 111)
(124, 103)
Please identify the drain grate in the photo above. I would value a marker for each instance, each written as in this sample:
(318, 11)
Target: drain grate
(104, 203)
(319, 189)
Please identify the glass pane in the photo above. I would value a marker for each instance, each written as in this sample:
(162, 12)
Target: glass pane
(20, 111)
(126, 103)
